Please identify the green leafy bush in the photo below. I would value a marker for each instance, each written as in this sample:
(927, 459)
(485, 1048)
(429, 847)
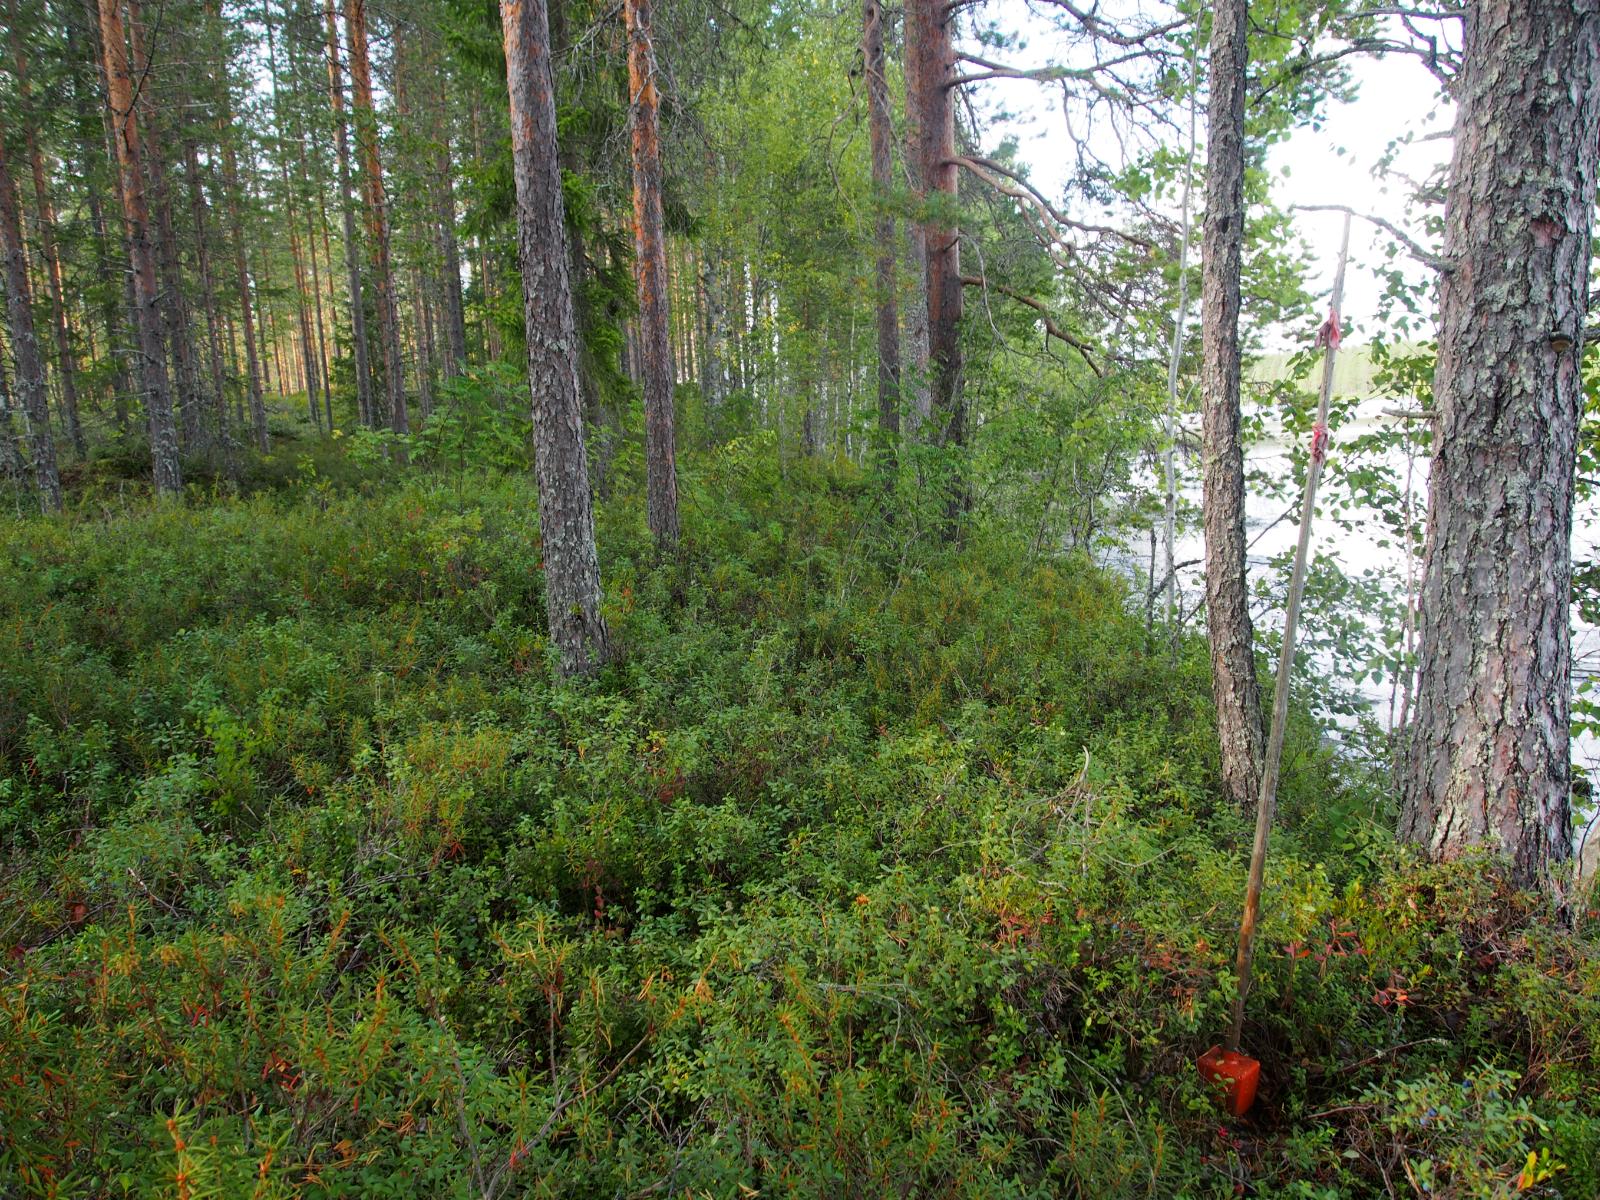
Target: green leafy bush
(864, 871)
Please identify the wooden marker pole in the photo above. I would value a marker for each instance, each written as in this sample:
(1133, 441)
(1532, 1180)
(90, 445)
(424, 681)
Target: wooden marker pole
(1267, 801)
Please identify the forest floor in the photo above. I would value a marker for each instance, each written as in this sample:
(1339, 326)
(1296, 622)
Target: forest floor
(864, 871)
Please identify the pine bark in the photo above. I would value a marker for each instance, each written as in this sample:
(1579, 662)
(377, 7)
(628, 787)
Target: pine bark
(45, 210)
(11, 464)
(931, 50)
(174, 302)
(661, 468)
(310, 367)
(1233, 668)
(566, 514)
(377, 207)
(352, 250)
(167, 471)
(880, 134)
(25, 344)
(121, 337)
(208, 297)
(1489, 763)
(254, 364)
(454, 322)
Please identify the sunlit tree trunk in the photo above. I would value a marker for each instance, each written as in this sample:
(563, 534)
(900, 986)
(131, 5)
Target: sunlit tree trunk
(310, 367)
(1233, 666)
(661, 468)
(147, 319)
(566, 516)
(1489, 760)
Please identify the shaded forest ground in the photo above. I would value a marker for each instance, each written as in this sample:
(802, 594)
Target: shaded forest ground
(866, 871)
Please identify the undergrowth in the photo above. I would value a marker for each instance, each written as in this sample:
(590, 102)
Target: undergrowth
(864, 871)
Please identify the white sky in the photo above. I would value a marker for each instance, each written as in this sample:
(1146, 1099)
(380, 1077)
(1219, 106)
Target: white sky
(1395, 97)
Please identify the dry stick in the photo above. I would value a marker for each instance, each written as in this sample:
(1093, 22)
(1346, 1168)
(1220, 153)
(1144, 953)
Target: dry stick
(1266, 802)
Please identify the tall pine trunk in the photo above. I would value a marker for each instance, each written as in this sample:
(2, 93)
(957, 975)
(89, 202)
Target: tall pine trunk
(661, 468)
(255, 364)
(11, 464)
(566, 514)
(1489, 761)
(377, 203)
(453, 314)
(208, 298)
(25, 344)
(931, 50)
(173, 301)
(880, 133)
(45, 210)
(121, 337)
(1233, 665)
(352, 249)
(166, 469)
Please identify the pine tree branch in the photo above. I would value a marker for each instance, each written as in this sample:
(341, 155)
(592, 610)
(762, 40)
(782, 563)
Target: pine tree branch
(1038, 306)
(996, 175)
(1426, 257)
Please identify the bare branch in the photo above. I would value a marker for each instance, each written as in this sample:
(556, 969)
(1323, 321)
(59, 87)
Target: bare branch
(992, 172)
(1426, 257)
(1095, 25)
(1038, 306)
(1050, 74)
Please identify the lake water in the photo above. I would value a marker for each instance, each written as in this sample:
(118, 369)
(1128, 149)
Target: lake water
(1360, 543)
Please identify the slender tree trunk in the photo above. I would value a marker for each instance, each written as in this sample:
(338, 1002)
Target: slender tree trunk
(929, 44)
(453, 311)
(1180, 321)
(424, 339)
(920, 412)
(737, 331)
(324, 372)
(208, 298)
(254, 365)
(566, 516)
(1490, 761)
(147, 318)
(25, 345)
(355, 16)
(880, 134)
(11, 464)
(174, 303)
(661, 467)
(352, 250)
(1233, 664)
(308, 346)
(47, 241)
(125, 347)
(111, 317)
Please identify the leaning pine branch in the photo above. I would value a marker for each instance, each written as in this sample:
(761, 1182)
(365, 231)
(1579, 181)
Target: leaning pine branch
(1038, 306)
